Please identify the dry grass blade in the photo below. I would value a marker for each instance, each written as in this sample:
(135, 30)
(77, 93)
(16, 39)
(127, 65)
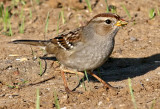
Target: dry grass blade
(158, 11)
(46, 26)
(107, 7)
(152, 13)
(127, 12)
(131, 92)
(56, 100)
(38, 99)
(89, 5)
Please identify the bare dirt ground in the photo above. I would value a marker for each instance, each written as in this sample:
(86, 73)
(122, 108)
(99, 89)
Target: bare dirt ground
(136, 55)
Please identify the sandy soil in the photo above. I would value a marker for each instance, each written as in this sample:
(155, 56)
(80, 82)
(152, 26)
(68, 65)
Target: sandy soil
(136, 55)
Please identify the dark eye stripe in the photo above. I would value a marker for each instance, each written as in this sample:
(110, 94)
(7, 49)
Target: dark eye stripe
(99, 21)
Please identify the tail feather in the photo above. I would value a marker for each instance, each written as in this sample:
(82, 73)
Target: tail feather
(32, 42)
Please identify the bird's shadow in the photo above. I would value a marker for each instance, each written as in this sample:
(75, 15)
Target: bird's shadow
(117, 69)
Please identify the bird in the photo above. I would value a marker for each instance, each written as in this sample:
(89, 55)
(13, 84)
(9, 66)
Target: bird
(85, 48)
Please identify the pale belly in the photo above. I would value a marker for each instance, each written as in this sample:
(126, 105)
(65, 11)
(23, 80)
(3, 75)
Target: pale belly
(87, 59)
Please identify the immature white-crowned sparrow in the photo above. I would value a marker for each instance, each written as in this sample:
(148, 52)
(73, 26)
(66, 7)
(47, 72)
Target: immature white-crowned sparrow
(84, 48)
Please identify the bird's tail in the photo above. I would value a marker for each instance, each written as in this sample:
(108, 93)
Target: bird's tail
(31, 42)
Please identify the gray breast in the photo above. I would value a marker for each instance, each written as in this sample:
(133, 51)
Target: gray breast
(90, 56)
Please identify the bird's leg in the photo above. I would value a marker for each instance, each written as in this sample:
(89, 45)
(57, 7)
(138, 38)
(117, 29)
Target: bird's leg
(73, 72)
(65, 83)
(106, 85)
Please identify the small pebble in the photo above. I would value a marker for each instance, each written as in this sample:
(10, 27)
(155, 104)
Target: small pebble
(21, 59)
(158, 73)
(64, 108)
(101, 5)
(100, 103)
(132, 38)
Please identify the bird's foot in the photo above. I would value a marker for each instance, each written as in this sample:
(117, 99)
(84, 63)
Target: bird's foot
(108, 86)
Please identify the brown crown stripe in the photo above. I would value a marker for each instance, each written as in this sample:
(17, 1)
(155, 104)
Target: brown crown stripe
(107, 15)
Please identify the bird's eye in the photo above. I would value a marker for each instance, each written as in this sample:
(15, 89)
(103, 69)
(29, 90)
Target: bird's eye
(108, 21)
